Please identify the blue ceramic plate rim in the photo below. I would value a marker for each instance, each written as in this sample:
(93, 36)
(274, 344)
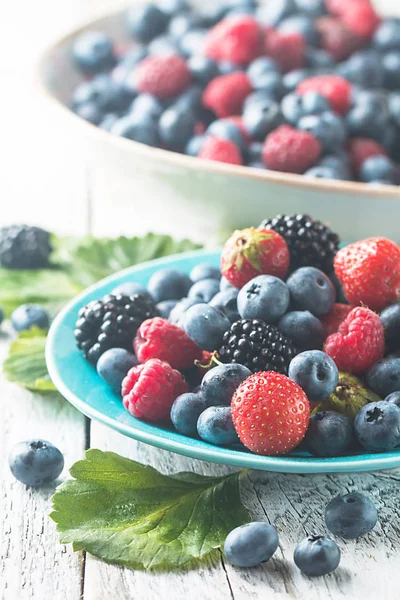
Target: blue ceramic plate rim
(74, 377)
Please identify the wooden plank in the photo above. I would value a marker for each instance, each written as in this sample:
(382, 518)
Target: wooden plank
(33, 563)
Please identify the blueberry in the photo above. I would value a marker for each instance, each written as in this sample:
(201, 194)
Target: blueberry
(312, 8)
(384, 376)
(317, 555)
(206, 325)
(165, 307)
(254, 152)
(264, 297)
(329, 434)
(193, 42)
(227, 302)
(215, 426)
(176, 127)
(264, 75)
(109, 95)
(393, 398)
(378, 168)
(29, 315)
(303, 328)
(108, 121)
(340, 297)
(36, 462)
(226, 130)
(338, 164)
(391, 67)
(225, 67)
(203, 69)
(368, 120)
(319, 59)
(123, 71)
(172, 7)
(177, 313)
(323, 172)
(211, 14)
(377, 426)
(316, 373)
(327, 127)
(182, 23)
(250, 545)
(135, 126)
(194, 145)
(130, 288)
(364, 68)
(190, 100)
(163, 45)
(204, 290)
(303, 25)
(169, 284)
(310, 289)
(93, 52)
(351, 516)
(90, 112)
(390, 318)
(204, 271)
(292, 79)
(387, 35)
(272, 13)
(225, 285)
(220, 383)
(146, 21)
(261, 118)
(113, 366)
(147, 106)
(394, 107)
(294, 107)
(186, 411)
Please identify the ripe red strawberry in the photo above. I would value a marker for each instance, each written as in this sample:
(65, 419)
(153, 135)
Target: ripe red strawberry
(224, 151)
(332, 321)
(270, 413)
(251, 252)
(162, 76)
(149, 390)
(225, 95)
(362, 148)
(290, 150)
(236, 39)
(336, 39)
(369, 272)
(359, 342)
(336, 89)
(158, 338)
(288, 49)
(361, 17)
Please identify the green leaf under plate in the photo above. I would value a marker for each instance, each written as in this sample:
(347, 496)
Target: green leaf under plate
(26, 364)
(132, 515)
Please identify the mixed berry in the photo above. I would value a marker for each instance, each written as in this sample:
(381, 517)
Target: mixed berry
(291, 85)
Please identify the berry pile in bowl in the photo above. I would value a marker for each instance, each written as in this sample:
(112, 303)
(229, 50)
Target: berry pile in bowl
(292, 345)
(306, 87)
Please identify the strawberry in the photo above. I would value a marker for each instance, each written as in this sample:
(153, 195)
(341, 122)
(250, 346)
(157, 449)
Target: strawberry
(270, 413)
(359, 342)
(251, 252)
(332, 321)
(369, 271)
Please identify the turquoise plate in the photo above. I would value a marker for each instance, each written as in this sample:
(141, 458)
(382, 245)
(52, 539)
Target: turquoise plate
(79, 383)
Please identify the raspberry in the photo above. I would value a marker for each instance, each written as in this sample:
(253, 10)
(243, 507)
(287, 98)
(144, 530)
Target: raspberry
(270, 413)
(332, 321)
(220, 150)
(290, 150)
(235, 39)
(149, 390)
(288, 49)
(226, 94)
(369, 271)
(336, 39)
(362, 148)
(336, 90)
(158, 338)
(162, 76)
(361, 18)
(359, 343)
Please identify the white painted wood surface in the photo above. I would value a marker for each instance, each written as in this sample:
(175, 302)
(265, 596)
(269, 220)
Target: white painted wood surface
(43, 181)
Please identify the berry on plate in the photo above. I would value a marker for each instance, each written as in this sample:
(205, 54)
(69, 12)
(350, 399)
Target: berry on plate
(271, 413)
(393, 398)
(265, 297)
(114, 365)
(316, 373)
(205, 325)
(149, 390)
(329, 434)
(251, 252)
(204, 271)
(377, 426)
(158, 338)
(215, 426)
(384, 376)
(36, 462)
(359, 342)
(220, 383)
(310, 289)
(290, 150)
(186, 411)
(251, 544)
(169, 284)
(351, 516)
(204, 290)
(303, 328)
(317, 555)
(390, 318)
(369, 271)
(227, 303)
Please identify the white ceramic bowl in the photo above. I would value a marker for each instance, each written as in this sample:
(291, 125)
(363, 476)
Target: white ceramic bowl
(161, 190)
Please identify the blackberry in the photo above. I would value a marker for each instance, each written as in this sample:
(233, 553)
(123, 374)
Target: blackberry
(310, 242)
(257, 346)
(111, 322)
(24, 247)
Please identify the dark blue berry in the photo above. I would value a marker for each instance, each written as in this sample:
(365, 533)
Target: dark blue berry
(93, 52)
(292, 79)
(225, 285)
(312, 8)
(135, 127)
(29, 315)
(339, 163)
(368, 119)
(211, 14)
(254, 152)
(130, 288)
(303, 25)
(329, 434)
(204, 290)
(106, 93)
(215, 426)
(173, 7)
(226, 130)
(146, 21)
(194, 145)
(113, 366)
(390, 318)
(190, 99)
(108, 121)
(165, 307)
(310, 289)
(251, 544)
(163, 45)
(36, 462)
(206, 325)
(384, 376)
(123, 71)
(203, 69)
(305, 330)
(294, 107)
(225, 67)
(387, 35)
(272, 13)
(327, 127)
(169, 284)
(265, 297)
(378, 168)
(391, 69)
(351, 516)
(204, 271)
(186, 411)
(182, 23)
(317, 555)
(393, 398)
(260, 118)
(394, 107)
(193, 42)
(227, 302)
(220, 383)
(147, 106)
(323, 172)
(90, 112)
(319, 59)
(364, 68)
(177, 313)
(377, 426)
(316, 373)
(176, 127)
(264, 74)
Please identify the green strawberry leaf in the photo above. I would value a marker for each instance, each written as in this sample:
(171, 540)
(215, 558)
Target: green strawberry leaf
(131, 515)
(26, 364)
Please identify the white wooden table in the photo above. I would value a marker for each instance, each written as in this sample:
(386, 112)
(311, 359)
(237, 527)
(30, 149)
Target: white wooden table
(44, 183)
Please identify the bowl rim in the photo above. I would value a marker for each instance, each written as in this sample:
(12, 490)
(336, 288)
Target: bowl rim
(182, 160)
